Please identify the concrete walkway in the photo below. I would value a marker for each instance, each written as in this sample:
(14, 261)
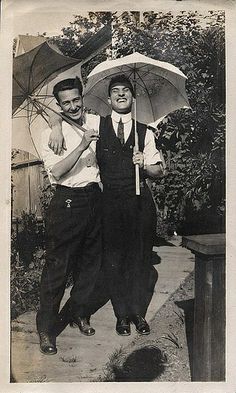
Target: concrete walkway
(81, 358)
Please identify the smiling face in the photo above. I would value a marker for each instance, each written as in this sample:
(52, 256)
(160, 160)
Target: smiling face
(121, 98)
(71, 103)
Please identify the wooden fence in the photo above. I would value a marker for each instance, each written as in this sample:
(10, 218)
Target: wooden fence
(27, 182)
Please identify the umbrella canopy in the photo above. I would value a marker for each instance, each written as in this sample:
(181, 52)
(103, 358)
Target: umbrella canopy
(159, 89)
(33, 68)
(160, 86)
(34, 75)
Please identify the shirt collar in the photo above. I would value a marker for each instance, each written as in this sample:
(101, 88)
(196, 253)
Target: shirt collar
(125, 117)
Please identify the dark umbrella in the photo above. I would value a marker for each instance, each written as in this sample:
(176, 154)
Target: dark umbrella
(34, 73)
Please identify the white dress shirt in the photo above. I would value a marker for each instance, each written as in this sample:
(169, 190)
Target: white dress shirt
(150, 152)
(85, 170)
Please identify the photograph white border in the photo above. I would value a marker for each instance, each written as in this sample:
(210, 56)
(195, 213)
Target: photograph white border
(7, 15)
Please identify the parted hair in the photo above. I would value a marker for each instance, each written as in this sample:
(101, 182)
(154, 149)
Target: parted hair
(68, 84)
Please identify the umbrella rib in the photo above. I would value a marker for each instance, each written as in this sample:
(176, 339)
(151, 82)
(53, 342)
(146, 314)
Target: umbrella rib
(20, 109)
(18, 96)
(31, 112)
(31, 135)
(23, 89)
(58, 69)
(99, 98)
(172, 84)
(168, 82)
(45, 97)
(42, 113)
(102, 78)
(49, 102)
(19, 84)
(40, 89)
(31, 67)
(147, 93)
(42, 81)
(154, 74)
(20, 117)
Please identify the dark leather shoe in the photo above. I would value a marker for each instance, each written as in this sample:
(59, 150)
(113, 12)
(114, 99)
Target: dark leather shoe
(83, 325)
(47, 344)
(141, 324)
(123, 327)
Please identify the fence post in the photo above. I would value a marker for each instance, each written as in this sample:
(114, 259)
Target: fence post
(209, 306)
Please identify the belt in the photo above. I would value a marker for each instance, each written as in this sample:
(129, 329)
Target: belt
(88, 188)
(115, 188)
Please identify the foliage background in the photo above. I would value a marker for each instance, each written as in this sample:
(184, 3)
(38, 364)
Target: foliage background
(190, 198)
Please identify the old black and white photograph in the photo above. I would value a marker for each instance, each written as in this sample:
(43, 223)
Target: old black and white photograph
(116, 212)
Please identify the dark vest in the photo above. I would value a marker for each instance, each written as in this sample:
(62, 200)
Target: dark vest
(114, 159)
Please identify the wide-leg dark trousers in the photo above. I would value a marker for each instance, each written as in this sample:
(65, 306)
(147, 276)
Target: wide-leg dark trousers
(128, 234)
(73, 229)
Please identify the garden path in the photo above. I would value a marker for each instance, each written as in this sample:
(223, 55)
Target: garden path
(81, 358)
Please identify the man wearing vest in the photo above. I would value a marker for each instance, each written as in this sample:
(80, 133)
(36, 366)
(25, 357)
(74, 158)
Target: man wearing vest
(129, 221)
(73, 221)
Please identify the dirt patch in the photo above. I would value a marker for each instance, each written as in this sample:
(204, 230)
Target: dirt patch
(165, 355)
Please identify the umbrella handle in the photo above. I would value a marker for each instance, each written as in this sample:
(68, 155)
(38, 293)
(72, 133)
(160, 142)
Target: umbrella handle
(137, 180)
(136, 146)
(137, 173)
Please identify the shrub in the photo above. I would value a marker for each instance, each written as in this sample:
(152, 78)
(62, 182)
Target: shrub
(27, 259)
(30, 237)
(25, 282)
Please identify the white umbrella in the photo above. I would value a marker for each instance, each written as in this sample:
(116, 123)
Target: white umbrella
(159, 89)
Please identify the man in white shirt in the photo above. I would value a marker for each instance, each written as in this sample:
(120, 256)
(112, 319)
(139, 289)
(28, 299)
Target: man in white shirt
(128, 220)
(73, 220)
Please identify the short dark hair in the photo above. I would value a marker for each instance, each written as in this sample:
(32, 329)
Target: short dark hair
(67, 84)
(120, 79)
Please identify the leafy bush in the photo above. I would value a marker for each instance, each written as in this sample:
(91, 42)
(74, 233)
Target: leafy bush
(80, 30)
(193, 140)
(29, 238)
(47, 192)
(25, 281)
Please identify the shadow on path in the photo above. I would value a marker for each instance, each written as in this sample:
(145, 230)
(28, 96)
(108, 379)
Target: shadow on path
(142, 365)
(156, 259)
(160, 241)
(188, 307)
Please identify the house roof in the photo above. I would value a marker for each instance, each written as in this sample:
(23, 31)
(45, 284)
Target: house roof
(27, 42)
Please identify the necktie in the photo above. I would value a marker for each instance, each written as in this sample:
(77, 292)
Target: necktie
(120, 132)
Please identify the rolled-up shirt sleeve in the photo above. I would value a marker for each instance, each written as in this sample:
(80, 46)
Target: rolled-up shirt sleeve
(47, 155)
(151, 155)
